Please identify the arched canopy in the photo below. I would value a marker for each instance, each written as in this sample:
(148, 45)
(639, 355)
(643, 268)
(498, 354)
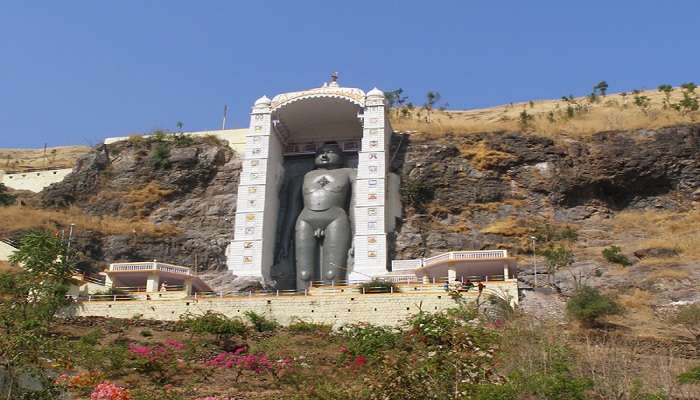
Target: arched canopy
(322, 114)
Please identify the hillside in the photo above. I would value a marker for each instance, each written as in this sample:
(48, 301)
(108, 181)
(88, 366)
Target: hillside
(19, 160)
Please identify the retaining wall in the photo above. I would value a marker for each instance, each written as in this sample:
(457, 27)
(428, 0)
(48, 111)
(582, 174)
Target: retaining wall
(34, 181)
(335, 309)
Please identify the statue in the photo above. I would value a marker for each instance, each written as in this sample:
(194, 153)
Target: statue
(324, 227)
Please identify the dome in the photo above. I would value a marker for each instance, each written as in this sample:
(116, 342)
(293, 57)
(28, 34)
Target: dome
(375, 93)
(263, 101)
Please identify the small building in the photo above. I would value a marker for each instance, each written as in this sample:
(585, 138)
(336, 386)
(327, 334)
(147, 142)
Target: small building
(482, 265)
(154, 277)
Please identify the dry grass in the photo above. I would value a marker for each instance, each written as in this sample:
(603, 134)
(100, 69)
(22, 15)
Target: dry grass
(613, 112)
(5, 266)
(31, 159)
(484, 158)
(143, 198)
(509, 226)
(669, 273)
(677, 230)
(636, 299)
(17, 218)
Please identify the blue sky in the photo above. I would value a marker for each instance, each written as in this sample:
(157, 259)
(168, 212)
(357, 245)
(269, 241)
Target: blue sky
(74, 72)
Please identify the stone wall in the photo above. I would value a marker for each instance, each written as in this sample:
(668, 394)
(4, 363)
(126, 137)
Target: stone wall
(34, 181)
(336, 309)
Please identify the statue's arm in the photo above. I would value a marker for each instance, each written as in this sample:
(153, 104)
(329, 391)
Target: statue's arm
(353, 192)
(293, 204)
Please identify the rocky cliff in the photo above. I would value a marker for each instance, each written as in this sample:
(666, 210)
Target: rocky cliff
(187, 188)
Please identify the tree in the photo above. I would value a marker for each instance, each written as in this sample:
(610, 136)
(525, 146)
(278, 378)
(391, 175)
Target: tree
(179, 125)
(395, 99)
(29, 300)
(431, 98)
(601, 87)
(690, 99)
(557, 258)
(6, 199)
(688, 317)
(525, 120)
(666, 90)
(588, 305)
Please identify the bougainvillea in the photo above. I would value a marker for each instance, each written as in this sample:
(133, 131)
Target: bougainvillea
(109, 391)
(256, 363)
(160, 361)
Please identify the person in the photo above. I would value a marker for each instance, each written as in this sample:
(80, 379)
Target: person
(481, 287)
(163, 287)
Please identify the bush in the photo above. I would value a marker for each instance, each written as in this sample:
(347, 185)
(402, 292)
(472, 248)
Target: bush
(690, 377)
(688, 316)
(587, 305)
(367, 340)
(213, 323)
(377, 286)
(260, 322)
(614, 255)
(182, 140)
(160, 156)
(417, 192)
(301, 326)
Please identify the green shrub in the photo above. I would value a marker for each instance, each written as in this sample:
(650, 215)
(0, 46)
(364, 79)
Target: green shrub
(690, 377)
(159, 135)
(368, 340)
(182, 140)
(417, 192)
(160, 156)
(260, 322)
(377, 286)
(301, 326)
(614, 255)
(587, 305)
(213, 323)
(432, 328)
(146, 333)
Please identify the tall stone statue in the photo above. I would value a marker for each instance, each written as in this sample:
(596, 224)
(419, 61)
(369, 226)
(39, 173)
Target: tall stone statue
(323, 229)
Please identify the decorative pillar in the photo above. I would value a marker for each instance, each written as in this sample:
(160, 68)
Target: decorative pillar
(370, 221)
(252, 249)
(451, 274)
(108, 281)
(152, 282)
(505, 271)
(188, 286)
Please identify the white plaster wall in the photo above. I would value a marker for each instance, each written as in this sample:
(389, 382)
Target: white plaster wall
(34, 181)
(337, 309)
(5, 251)
(235, 137)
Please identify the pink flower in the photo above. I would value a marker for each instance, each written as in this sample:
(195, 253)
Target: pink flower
(141, 351)
(359, 361)
(175, 344)
(109, 391)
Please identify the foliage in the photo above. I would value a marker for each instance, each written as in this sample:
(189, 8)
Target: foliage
(367, 340)
(666, 90)
(691, 376)
(417, 192)
(377, 286)
(689, 102)
(213, 323)
(546, 232)
(300, 326)
(525, 120)
(160, 362)
(160, 156)
(587, 305)
(557, 257)
(614, 255)
(6, 199)
(260, 322)
(395, 98)
(641, 101)
(255, 363)
(182, 140)
(601, 87)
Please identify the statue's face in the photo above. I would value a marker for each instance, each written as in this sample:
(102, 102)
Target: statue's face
(329, 156)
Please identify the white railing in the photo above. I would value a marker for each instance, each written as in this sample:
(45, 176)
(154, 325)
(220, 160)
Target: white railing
(399, 265)
(149, 266)
(402, 265)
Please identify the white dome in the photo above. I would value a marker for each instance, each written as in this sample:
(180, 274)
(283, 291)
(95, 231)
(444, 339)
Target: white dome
(263, 101)
(375, 93)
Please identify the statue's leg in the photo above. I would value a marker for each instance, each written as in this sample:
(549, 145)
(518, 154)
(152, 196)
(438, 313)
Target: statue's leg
(336, 244)
(305, 252)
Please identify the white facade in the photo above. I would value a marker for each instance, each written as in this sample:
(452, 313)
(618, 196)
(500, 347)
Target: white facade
(297, 123)
(34, 181)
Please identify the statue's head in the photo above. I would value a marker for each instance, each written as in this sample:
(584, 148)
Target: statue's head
(329, 155)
